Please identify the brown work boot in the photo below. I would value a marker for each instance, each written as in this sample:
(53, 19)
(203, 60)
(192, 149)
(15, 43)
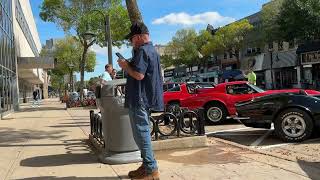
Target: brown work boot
(153, 176)
(139, 171)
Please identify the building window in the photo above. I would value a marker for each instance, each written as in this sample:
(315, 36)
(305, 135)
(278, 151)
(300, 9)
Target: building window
(225, 56)
(25, 28)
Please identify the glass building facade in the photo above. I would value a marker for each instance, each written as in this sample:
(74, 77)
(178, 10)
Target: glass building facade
(8, 74)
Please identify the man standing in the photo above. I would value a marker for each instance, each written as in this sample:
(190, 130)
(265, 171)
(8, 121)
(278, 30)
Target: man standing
(143, 93)
(35, 98)
(106, 76)
(252, 78)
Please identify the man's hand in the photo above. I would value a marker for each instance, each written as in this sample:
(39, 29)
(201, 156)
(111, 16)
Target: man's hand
(123, 64)
(126, 67)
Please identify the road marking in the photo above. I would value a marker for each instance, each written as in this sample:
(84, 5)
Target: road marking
(235, 134)
(228, 130)
(263, 137)
(272, 146)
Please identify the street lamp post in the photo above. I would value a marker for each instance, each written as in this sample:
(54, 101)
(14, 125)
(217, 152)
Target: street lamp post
(271, 67)
(107, 33)
(71, 66)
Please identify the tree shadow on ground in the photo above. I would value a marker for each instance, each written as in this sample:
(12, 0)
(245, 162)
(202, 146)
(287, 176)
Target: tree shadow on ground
(59, 160)
(71, 178)
(66, 126)
(10, 135)
(312, 169)
(78, 152)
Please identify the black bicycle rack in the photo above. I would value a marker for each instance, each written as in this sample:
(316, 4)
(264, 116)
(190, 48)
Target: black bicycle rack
(180, 127)
(194, 126)
(96, 127)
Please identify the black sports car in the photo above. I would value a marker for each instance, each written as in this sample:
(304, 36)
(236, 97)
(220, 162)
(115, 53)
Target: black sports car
(295, 115)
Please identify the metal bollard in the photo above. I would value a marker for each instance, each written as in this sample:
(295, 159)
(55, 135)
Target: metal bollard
(91, 121)
(201, 130)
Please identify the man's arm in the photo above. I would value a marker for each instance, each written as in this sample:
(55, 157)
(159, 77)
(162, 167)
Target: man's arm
(126, 67)
(139, 66)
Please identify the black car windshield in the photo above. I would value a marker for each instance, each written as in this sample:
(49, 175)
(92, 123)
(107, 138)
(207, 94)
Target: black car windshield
(256, 88)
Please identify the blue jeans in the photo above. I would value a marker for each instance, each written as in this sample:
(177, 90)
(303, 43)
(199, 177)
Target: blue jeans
(139, 118)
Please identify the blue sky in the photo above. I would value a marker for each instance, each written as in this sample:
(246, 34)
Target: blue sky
(163, 19)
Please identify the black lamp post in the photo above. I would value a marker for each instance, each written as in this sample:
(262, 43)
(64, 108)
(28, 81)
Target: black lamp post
(71, 66)
(271, 66)
(107, 33)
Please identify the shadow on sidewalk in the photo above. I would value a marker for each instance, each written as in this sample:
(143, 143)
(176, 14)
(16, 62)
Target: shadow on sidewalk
(66, 126)
(70, 178)
(10, 135)
(312, 169)
(78, 151)
(59, 160)
(31, 109)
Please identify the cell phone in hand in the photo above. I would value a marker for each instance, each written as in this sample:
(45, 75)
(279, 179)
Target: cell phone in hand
(120, 56)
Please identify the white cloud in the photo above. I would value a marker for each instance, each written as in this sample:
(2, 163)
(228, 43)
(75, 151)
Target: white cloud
(182, 18)
(104, 52)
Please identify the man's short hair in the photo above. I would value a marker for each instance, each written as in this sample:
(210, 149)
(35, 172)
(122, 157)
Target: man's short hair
(107, 66)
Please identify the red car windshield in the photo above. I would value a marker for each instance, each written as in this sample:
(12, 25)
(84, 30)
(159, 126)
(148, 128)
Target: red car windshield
(256, 88)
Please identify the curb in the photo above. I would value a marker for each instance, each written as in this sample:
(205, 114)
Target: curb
(82, 108)
(169, 144)
(254, 150)
(180, 143)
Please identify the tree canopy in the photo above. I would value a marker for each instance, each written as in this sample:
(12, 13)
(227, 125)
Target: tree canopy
(300, 19)
(80, 16)
(184, 48)
(229, 38)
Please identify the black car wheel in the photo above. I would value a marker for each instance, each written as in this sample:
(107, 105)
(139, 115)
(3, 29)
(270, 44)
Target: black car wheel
(215, 113)
(293, 125)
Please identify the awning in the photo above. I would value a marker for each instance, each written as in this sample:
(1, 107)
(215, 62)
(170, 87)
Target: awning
(35, 62)
(308, 47)
(284, 59)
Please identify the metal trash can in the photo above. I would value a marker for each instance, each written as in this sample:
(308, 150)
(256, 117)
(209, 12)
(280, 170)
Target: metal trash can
(120, 147)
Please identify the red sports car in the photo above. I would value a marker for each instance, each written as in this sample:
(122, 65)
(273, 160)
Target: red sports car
(172, 97)
(219, 102)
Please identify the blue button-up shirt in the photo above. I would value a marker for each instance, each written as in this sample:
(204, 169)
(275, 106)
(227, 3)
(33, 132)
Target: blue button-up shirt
(147, 92)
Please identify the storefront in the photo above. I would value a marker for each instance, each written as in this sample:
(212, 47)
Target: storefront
(258, 64)
(284, 67)
(309, 56)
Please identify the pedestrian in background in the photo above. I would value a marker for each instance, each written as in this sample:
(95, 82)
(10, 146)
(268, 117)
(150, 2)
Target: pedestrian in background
(36, 98)
(106, 76)
(114, 74)
(144, 90)
(252, 77)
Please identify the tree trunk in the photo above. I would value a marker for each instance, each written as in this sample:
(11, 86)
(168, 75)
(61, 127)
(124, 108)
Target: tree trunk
(133, 10)
(82, 65)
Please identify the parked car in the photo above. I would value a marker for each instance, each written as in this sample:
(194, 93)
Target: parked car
(294, 114)
(170, 85)
(172, 97)
(74, 96)
(91, 95)
(219, 103)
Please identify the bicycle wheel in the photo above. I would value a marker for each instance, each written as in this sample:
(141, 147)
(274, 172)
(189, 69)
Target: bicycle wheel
(188, 122)
(167, 124)
(152, 125)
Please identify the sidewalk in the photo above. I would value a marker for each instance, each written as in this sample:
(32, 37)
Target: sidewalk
(52, 143)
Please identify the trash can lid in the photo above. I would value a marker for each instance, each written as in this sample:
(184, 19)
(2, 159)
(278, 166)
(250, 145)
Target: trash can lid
(108, 87)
